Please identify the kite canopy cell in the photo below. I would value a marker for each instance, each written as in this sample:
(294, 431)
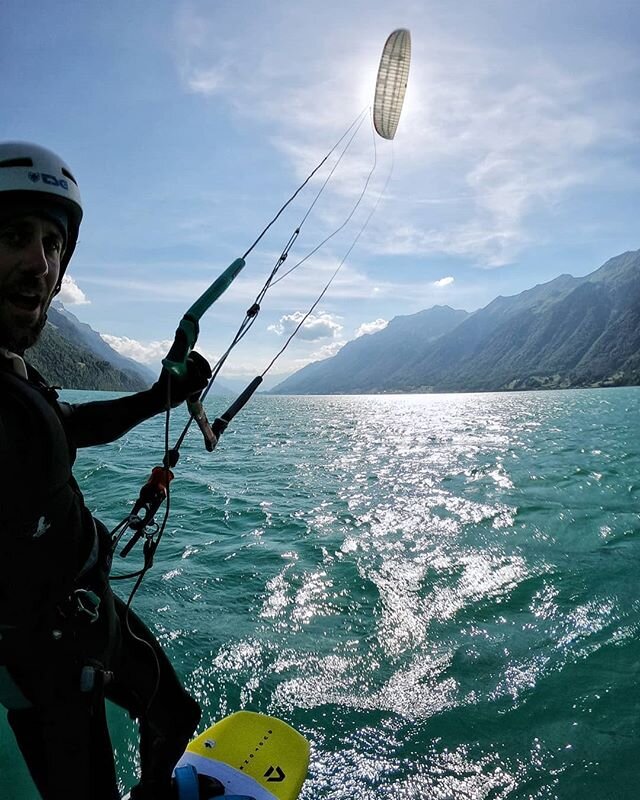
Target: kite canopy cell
(391, 85)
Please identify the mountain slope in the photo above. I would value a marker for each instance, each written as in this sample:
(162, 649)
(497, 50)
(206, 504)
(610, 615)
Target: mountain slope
(72, 355)
(368, 360)
(83, 335)
(567, 332)
(70, 366)
(563, 333)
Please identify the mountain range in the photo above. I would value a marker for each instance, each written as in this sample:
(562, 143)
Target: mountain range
(569, 332)
(72, 355)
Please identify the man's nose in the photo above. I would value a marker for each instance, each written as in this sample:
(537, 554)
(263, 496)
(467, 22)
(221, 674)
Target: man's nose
(34, 259)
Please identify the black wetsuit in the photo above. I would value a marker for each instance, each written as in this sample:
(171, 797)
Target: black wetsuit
(61, 663)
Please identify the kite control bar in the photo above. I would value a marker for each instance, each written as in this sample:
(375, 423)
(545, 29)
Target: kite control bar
(220, 423)
(188, 329)
(212, 433)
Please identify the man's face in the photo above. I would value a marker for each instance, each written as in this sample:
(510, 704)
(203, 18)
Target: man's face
(30, 251)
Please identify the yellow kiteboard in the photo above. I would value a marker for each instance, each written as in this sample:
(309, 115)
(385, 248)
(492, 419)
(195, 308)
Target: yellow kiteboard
(252, 755)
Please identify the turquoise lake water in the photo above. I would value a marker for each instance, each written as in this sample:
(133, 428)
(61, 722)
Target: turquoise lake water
(441, 592)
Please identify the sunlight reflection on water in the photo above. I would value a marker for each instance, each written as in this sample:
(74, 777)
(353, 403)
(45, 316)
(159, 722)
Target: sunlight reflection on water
(435, 589)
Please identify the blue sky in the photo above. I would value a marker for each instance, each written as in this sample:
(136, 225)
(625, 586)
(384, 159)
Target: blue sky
(188, 124)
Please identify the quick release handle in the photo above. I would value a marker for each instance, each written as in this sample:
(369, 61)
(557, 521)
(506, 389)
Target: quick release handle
(151, 496)
(186, 336)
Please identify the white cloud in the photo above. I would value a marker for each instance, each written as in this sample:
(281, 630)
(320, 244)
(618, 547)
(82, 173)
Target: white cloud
(144, 352)
(71, 294)
(300, 289)
(327, 351)
(497, 154)
(169, 290)
(193, 40)
(315, 327)
(205, 81)
(507, 134)
(444, 281)
(500, 130)
(371, 327)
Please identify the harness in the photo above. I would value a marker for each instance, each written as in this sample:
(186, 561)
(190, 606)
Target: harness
(53, 569)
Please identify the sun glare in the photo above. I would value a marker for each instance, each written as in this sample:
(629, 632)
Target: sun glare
(367, 84)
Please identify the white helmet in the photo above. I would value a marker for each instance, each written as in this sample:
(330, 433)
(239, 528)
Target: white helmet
(29, 173)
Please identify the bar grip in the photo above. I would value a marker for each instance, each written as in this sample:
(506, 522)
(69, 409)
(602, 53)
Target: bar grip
(186, 336)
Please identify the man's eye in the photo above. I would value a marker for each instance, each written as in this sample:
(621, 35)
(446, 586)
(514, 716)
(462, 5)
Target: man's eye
(13, 237)
(53, 244)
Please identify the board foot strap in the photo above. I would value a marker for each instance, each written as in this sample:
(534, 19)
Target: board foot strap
(187, 783)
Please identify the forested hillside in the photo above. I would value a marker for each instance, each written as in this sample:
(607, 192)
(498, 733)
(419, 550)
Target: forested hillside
(70, 366)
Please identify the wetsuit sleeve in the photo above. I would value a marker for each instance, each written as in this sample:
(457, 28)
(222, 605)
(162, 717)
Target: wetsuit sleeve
(103, 421)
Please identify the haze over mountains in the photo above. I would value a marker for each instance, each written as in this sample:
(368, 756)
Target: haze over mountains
(570, 332)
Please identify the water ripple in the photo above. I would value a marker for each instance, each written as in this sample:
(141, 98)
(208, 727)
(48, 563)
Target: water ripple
(440, 591)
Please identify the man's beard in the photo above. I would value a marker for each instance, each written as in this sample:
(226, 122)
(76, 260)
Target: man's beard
(17, 341)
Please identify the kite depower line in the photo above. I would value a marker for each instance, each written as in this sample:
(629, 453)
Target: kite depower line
(391, 82)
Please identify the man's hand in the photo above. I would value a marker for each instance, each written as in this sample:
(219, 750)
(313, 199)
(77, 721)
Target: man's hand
(197, 377)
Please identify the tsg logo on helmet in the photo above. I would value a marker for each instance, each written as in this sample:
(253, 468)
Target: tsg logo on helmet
(50, 180)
